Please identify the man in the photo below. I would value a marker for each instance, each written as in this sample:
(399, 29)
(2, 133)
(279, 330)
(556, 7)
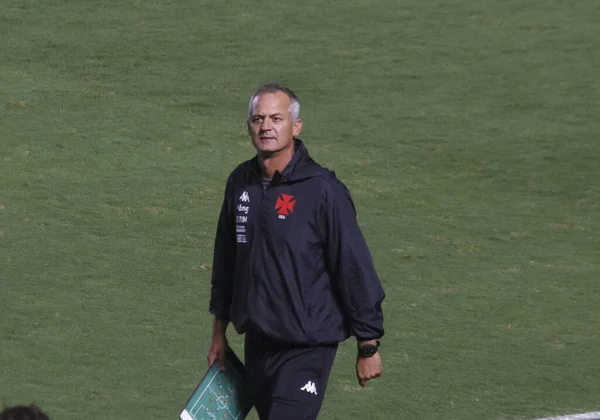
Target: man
(291, 268)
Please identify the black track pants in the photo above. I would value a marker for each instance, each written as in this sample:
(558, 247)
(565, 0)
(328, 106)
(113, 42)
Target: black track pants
(287, 382)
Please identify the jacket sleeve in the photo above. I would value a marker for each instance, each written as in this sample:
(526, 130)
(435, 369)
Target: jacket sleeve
(223, 260)
(351, 267)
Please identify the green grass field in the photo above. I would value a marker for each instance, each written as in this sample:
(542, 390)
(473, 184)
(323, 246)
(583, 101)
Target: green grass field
(467, 131)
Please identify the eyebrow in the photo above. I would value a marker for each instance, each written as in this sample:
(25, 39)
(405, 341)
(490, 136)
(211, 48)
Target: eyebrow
(276, 114)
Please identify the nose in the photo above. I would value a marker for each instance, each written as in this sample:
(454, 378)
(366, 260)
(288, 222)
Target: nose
(266, 125)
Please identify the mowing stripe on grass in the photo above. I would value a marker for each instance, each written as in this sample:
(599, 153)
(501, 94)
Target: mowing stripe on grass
(583, 416)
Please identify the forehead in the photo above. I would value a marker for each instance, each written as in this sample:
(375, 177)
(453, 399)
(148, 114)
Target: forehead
(271, 103)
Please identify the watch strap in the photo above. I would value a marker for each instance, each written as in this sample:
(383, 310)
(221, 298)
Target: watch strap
(368, 350)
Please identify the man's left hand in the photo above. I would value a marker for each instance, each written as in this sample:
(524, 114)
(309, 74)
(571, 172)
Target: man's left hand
(368, 368)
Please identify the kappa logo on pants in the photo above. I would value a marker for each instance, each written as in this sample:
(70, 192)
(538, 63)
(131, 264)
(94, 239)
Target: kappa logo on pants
(310, 388)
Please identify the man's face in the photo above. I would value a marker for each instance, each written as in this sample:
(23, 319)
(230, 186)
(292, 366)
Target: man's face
(270, 126)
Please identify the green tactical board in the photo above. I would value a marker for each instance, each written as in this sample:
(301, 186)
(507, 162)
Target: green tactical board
(219, 395)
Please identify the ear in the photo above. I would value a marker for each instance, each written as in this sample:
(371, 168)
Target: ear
(297, 128)
(248, 127)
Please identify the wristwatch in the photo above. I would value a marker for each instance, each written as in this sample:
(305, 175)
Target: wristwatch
(368, 350)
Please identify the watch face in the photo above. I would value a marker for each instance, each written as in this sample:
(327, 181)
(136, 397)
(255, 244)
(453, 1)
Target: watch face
(368, 350)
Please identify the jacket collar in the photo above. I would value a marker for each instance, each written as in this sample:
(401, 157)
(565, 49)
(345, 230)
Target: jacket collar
(300, 154)
(290, 173)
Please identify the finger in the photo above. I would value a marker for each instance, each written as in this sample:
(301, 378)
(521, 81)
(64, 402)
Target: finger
(222, 367)
(362, 382)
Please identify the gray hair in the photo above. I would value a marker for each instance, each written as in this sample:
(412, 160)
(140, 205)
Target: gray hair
(274, 88)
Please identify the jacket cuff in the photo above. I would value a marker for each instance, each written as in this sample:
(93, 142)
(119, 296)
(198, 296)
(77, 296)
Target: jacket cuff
(219, 314)
(368, 338)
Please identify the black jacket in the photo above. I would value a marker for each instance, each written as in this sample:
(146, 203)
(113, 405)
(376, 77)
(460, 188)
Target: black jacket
(292, 262)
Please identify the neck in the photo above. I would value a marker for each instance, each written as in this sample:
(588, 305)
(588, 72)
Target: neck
(275, 162)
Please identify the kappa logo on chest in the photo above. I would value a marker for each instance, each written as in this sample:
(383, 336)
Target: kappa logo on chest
(245, 197)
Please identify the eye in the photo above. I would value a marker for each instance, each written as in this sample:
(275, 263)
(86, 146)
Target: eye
(276, 118)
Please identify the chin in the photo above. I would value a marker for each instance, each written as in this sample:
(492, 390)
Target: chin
(267, 147)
